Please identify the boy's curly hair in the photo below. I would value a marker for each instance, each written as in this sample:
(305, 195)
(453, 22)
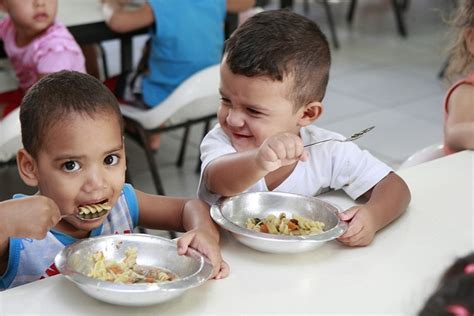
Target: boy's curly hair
(282, 44)
(57, 95)
(459, 56)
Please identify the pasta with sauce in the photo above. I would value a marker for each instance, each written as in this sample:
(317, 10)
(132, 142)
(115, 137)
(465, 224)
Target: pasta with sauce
(281, 225)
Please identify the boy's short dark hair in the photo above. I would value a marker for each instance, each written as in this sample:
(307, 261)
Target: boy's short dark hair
(280, 44)
(56, 96)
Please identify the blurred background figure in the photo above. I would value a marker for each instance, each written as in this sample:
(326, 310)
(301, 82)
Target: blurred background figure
(459, 101)
(36, 45)
(185, 36)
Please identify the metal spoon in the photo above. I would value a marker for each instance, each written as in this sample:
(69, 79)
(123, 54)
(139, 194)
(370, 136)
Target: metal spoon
(350, 139)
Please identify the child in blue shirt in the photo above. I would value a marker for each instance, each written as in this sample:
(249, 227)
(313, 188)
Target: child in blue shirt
(72, 133)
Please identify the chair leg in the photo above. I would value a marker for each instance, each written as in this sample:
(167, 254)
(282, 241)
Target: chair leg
(104, 61)
(184, 143)
(332, 26)
(151, 161)
(442, 71)
(397, 9)
(350, 13)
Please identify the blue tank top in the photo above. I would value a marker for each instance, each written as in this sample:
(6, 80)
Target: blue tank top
(188, 36)
(31, 260)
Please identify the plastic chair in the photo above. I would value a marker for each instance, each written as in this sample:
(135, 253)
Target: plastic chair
(10, 137)
(423, 155)
(194, 101)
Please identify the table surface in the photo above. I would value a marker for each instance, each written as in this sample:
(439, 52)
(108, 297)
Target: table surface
(394, 275)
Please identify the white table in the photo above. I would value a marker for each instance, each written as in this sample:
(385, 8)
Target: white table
(394, 275)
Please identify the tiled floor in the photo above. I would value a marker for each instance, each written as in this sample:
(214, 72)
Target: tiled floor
(377, 78)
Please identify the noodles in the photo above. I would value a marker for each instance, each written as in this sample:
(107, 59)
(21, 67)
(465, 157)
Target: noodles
(282, 225)
(127, 271)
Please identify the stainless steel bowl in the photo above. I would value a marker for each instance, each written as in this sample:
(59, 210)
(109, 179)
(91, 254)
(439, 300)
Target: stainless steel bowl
(232, 213)
(75, 262)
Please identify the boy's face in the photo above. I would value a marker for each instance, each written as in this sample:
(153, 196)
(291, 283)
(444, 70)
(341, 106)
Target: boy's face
(254, 108)
(31, 16)
(82, 162)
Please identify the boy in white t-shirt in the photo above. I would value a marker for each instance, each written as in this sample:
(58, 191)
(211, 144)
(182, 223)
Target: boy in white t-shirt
(274, 75)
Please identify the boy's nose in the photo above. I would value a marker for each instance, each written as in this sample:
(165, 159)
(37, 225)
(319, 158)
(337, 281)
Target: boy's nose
(95, 181)
(235, 118)
(39, 3)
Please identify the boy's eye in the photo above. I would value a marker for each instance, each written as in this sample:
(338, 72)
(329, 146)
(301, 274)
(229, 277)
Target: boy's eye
(253, 111)
(70, 166)
(111, 160)
(225, 101)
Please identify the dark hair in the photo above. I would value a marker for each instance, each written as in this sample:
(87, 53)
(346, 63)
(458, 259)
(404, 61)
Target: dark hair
(455, 291)
(279, 44)
(55, 97)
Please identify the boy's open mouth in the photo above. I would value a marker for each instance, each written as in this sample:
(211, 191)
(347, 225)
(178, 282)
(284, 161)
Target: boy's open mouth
(94, 211)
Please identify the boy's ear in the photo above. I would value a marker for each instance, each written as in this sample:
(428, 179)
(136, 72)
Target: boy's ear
(27, 168)
(469, 39)
(310, 112)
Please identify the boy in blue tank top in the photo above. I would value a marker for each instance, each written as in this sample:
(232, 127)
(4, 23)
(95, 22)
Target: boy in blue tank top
(72, 133)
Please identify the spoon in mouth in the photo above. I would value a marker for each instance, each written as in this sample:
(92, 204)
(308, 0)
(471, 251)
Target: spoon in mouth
(91, 212)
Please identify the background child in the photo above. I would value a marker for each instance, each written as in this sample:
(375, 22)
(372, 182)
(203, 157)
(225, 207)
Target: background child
(459, 101)
(455, 293)
(273, 77)
(186, 36)
(72, 132)
(35, 44)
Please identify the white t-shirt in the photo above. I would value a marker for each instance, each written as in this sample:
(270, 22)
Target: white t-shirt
(331, 166)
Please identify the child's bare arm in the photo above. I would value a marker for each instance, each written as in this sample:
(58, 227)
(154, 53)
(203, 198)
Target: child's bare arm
(459, 130)
(120, 19)
(29, 217)
(235, 6)
(234, 173)
(387, 200)
(189, 215)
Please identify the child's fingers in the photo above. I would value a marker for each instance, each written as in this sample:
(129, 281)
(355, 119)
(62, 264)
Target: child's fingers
(184, 242)
(348, 214)
(355, 227)
(224, 271)
(216, 261)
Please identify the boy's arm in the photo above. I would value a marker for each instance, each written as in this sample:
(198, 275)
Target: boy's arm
(173, 213)
(29, 217)
(233, 173)
(120, 19)
(189, 215)
(388, 199)
(459, 130)
(235, 6)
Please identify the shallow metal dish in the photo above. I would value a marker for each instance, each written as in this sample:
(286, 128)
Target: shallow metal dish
(232, 213)
(75, 262)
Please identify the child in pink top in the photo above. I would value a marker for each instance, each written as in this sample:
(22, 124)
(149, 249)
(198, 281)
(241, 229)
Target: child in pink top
(36, 44)
(459, 101)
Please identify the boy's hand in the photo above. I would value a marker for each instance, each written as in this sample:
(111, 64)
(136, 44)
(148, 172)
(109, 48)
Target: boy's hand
(30, 217)
(207, 245)
(280, 150)
(361, 230)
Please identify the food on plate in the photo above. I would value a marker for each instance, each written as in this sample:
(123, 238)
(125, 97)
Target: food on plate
(282, 225)
(127, 271)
